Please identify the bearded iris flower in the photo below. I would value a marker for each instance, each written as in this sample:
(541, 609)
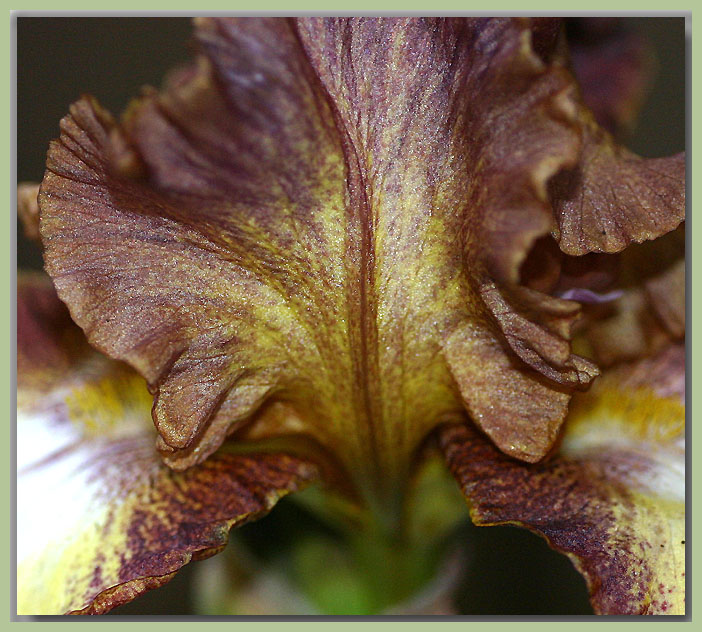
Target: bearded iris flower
(331, 250)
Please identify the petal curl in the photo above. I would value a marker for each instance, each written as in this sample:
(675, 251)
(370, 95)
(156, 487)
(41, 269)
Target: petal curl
(149, 289)
(614, 197)
(313, 214)
(612, 498)
(538, 329)
(100, 518)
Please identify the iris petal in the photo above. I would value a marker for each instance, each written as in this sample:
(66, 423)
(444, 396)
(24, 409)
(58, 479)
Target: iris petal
(100, 519)
(312, 215)
(327, 217)
(613, 496)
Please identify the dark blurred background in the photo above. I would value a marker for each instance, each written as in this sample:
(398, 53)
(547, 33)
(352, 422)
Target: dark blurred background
(58, 59)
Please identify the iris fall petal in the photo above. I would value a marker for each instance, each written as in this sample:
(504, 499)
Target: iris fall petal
(100, 518)
(612, 498)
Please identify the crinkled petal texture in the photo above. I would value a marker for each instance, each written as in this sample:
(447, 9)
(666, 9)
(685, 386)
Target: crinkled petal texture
(100, 519)
(327, 203)
(318, 228)
(614, 197)
(611, 197)
(612, 498)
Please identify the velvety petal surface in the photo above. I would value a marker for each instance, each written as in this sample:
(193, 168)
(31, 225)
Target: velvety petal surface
(100, 518)
(613, 496)
(326, 218)
(614, 197)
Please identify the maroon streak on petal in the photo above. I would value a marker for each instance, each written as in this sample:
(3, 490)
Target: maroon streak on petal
(100, 518)
(612, 497)
(182, 517)
(449, 101)
(405, 99)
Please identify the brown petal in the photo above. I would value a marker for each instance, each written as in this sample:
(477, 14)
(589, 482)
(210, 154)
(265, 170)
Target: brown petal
(612, 498)
(162, 290)
(47, 342)
(519, 406)
(614, 197)
(538, 329)
(306, 217)
(523, 420)
(100, 519)
(387, 80)
(420, 107)
(28, 208)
